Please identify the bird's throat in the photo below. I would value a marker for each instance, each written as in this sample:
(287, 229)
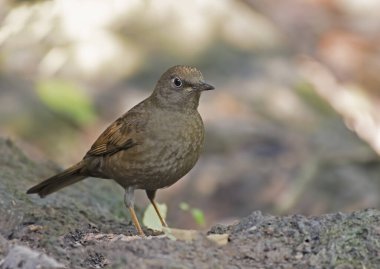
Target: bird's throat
(184, 102)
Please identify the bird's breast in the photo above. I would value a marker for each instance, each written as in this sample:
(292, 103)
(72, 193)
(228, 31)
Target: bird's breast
(169, 148)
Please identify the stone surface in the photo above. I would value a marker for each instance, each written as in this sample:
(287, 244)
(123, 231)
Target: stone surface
(25, 258)
(80, 228)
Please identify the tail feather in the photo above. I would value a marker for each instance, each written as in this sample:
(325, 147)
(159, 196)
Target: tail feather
(59, 181)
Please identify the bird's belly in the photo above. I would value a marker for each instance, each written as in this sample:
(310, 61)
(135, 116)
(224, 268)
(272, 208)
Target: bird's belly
(156, 164)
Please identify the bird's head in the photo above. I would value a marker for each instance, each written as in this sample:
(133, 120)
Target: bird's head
(180, 88)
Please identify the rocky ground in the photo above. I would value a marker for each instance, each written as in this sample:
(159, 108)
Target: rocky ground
(75, 229)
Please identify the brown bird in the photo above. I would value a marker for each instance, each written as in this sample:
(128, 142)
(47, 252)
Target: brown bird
(150, 147)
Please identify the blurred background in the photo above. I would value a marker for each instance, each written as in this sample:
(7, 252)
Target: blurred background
(293, 127)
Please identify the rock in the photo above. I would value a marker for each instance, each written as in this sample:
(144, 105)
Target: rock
(26, 258)
(80, 228)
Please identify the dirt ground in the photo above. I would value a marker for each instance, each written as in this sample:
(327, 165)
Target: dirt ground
(71, 230)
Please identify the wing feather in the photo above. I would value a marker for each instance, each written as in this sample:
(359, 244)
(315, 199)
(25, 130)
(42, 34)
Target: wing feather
(118, 136)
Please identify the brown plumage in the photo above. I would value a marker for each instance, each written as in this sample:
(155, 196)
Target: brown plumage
(150, 147)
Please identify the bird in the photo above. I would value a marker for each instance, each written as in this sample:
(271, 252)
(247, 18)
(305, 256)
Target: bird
(149, 147)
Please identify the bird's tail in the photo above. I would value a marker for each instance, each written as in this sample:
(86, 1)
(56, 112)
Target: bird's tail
(65, 178)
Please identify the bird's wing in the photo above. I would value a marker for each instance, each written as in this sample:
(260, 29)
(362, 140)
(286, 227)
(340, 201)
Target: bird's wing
(118, 136)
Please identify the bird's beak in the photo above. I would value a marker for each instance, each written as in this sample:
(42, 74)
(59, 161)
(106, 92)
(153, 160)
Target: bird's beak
(203, 86)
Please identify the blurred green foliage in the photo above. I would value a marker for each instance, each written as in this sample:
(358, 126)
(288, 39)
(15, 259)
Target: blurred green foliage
(196, 213)
(306, 92)
(66, 99)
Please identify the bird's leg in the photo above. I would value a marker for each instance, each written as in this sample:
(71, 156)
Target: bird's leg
(151, 194)
(129, 200)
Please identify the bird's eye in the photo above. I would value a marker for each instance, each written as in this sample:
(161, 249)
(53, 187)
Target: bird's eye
(177, 82)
